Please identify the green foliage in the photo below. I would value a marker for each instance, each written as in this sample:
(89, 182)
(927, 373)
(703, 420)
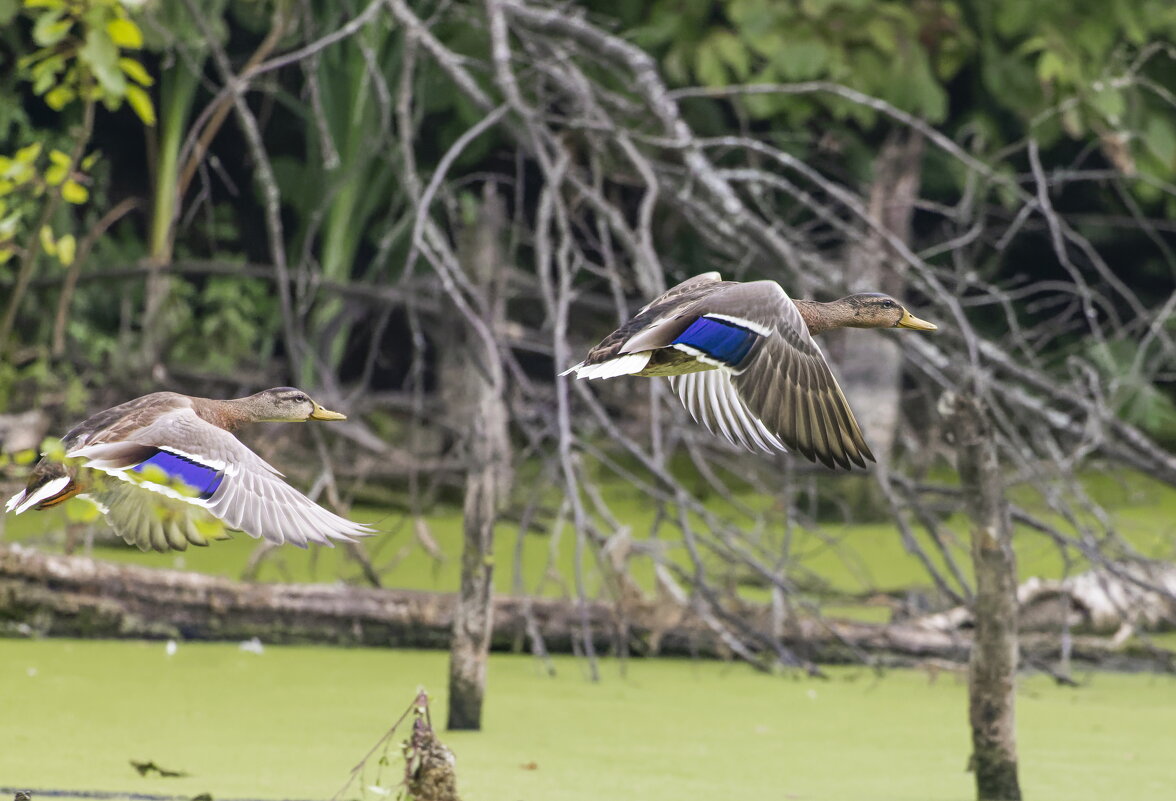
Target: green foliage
(227, 323)
(900, 51)
(1134, 394)
(170, 29)
(80, 55)
(1073, 68)
(26, 178)
(357, 188)
(72, 55)
(1067, 70)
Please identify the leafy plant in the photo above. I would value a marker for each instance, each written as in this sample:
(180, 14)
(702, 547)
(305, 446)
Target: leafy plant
(26, 178)
(860, 43)
(80, 56)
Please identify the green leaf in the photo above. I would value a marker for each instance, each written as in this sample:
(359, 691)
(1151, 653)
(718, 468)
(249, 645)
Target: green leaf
(8, 224)
(56, 174)
(45, 79)
(1110, 103)
(1034, 44)
(27, 456)
(101, 56)
(67, 249)
(135, 71)
(16, 172)
(59, 97)
(1050, 67)
(47, 242)
(708, 65)
(881, 33)
(8, 10)
(51, 66)
(802, 60)
(73, 192)
(28, 154)
(50, 29)
(752, 15)
(1129, 15)
(927, 96)
(764, 42)
(141, 102)
(1160, 137)
(1014, 17)
(125, 33)
(733, 52)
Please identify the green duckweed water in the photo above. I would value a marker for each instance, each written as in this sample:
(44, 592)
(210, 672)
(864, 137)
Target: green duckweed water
(291, 723)
(849, 559)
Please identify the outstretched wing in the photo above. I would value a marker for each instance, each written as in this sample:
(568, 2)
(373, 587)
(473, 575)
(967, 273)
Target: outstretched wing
(180, 467)
(772, 381)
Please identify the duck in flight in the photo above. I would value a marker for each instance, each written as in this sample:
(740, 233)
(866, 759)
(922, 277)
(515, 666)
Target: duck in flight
(742, 358)
(166, 471)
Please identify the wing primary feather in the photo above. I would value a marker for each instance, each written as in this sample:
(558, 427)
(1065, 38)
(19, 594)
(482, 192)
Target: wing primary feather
(723, 393)
(689, 384)
(716, 402)
(821, 440)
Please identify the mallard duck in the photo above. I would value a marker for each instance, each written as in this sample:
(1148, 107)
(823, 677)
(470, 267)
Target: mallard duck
(742, 359)
(158, 466)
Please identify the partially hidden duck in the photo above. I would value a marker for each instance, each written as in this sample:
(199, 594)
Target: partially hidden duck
(163, 466)
(742, 358)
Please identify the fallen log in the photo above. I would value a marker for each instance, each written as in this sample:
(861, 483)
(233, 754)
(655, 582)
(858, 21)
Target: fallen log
(1103, 601)
(44, 594)
(54, 595)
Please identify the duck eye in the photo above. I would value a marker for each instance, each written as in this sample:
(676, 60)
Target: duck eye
(300, 399)
(888, 304)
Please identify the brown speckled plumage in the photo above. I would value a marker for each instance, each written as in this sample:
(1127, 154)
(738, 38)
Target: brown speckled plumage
(107, 454)
(781, 394)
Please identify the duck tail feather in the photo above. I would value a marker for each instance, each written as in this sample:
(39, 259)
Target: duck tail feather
(49, 493)
(628, 364)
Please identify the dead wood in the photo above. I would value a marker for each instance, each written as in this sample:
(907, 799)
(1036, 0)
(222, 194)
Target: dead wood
(1094, 602)
(74, 596)
(995, 656)
(480, 400)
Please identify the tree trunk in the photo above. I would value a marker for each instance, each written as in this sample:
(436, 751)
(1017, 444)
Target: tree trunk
(871, 366)
(488, 476)
(993, 666)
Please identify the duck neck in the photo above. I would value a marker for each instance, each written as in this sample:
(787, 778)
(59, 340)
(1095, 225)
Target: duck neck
(227, 414)
(821, 317)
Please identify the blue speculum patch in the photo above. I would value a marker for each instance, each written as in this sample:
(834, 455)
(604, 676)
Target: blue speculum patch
(719, 339)
(201, 478)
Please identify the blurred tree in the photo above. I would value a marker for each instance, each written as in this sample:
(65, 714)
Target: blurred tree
(479, 402)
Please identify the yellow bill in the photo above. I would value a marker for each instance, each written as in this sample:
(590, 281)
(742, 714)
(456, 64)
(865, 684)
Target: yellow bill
(320, 413)
(909, 320)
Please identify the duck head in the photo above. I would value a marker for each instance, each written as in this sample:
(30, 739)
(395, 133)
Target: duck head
(876, 310)
(286, 405)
